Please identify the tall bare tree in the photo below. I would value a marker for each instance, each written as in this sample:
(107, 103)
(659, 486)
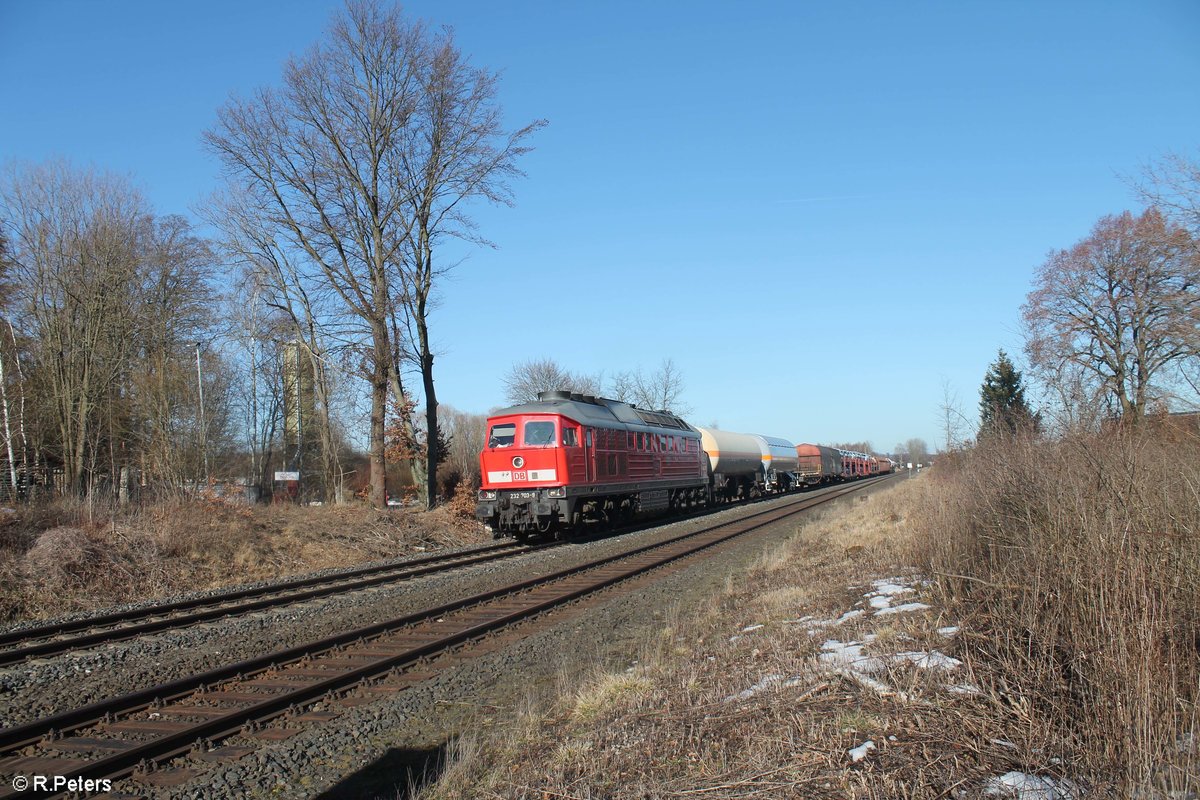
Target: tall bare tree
(917, 450)
(1118, 309)
(360, 162)
(455, 150)
(321, 158)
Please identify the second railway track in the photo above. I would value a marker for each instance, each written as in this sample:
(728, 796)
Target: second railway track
(50, 640)
(113, 738)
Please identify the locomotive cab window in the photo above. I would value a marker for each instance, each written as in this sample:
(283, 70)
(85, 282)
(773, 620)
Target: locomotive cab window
(502, 435)
(539, 434)
(570, 437)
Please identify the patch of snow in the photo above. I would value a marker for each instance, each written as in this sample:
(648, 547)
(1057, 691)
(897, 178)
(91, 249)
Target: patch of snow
(932, 660)
(859, 753)
(1004, 743)
(866, 681)
(849, 615)
(963, 688)
(948, 631)
(746, 694)
(891, 587)
(851, 655)
(749, 628)
(901, 609)
(1023, 786)
(880, 601)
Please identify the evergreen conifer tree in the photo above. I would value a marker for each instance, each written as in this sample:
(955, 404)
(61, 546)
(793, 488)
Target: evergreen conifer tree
(1002, 406)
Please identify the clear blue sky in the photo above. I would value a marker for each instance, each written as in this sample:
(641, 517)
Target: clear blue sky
(822, 211)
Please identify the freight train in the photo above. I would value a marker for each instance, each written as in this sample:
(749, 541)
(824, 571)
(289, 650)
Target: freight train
(569, 461)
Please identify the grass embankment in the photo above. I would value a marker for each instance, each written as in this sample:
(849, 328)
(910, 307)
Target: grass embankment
(1056, 656)
(1077, 567)
(54, 559)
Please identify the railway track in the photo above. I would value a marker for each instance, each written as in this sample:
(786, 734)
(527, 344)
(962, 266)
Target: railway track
(272, 697)
(50, 640)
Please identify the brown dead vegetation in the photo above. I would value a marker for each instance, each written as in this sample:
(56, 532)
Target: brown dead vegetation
(1077, 563)
(60, 558)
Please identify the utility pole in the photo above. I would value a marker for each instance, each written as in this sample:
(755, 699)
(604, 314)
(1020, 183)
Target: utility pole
(203, 424)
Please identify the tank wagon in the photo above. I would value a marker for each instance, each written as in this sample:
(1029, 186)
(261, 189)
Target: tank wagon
(571, 459)
(745, 465)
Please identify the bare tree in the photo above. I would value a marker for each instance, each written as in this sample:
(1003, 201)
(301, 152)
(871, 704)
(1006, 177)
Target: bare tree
(1173, 185)
(954, 423)
(321, 159)
(455, 150)
(917, 450)
(361, 162)
(467, 434)
(1118, 309)
(527, 379)
(661, 390)
(75, 238)
(176, 311)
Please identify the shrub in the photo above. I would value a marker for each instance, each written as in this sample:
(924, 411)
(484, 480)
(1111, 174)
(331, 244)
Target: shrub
(1079, 561)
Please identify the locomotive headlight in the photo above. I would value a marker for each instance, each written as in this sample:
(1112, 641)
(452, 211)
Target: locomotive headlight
(518, 462)
(558, 491)
(487, 494)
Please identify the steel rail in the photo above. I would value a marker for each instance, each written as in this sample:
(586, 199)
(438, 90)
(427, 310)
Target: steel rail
(153, 619)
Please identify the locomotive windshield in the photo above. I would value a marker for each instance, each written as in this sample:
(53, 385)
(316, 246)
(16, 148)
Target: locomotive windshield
(539, 434)
(502, 435)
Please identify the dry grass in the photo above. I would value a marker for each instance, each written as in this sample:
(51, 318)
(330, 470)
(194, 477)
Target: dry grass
(1078, 563)
(53, 561)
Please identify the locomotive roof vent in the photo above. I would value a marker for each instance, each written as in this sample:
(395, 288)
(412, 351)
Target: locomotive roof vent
(590, 398)
(557, 394)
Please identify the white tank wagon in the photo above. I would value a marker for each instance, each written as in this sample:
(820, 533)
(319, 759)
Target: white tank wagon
(747, 465)
(779, 462)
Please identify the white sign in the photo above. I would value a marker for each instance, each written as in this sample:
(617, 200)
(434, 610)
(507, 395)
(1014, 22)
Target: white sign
(523, 476)
(287, 476)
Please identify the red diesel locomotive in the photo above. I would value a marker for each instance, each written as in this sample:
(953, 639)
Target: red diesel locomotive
(571, 459)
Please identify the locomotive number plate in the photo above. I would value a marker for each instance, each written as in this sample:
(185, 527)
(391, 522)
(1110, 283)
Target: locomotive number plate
(523, 495)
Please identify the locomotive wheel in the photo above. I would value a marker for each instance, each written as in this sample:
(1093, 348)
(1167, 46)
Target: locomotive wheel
(609, 513)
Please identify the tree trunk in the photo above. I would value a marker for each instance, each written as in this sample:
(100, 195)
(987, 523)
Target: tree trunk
(431, 416)
(378, 495)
